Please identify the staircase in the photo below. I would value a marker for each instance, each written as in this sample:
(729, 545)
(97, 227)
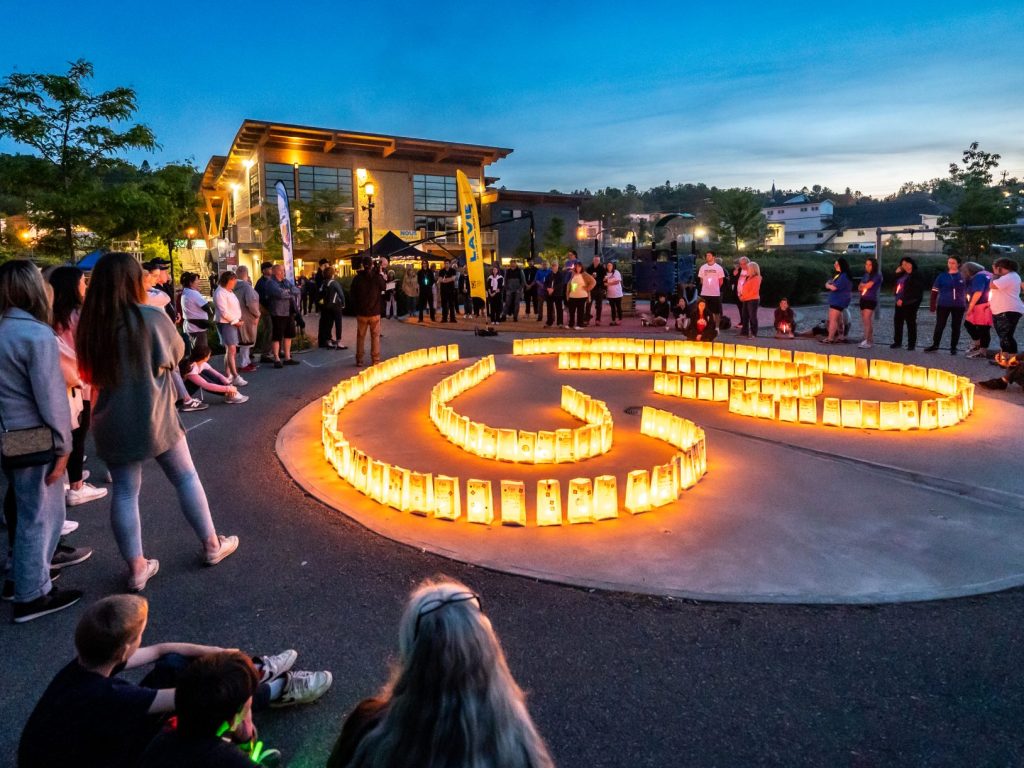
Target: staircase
(193, 260)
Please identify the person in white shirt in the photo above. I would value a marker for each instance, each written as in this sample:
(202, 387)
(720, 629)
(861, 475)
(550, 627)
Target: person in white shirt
(712, 276)
(1004, 300)
(613, 290)
(228, 317)
(154, 273)
(194, 316)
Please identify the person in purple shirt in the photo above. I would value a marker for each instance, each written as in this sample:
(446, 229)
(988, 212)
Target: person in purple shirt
(869, 287)
(840, 288)
(949, 300)
(978, 318)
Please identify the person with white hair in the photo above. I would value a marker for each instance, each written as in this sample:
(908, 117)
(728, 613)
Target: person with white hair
(451, 699)
(249, 301)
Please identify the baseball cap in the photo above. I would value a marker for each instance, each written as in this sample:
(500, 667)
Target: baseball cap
(154, 264)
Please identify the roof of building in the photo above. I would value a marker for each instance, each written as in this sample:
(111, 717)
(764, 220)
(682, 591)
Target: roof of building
(890, 213)
(255, 134)
(798, 200)
(526, 196)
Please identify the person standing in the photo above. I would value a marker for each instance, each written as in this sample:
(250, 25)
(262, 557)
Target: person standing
(464, 296)
(194, 311)
(228, 316)
(366, 287)
(1004, 298)
(448, 281)
(948, 300)
(978, 318)
(515, 281)
(530, 296)
(249, 303)
(410, 291)
(840, 288)
(284, 305)
(265, 329)
(33, 397)
(712, 277)
(613, 290)
(541, 294)
(597, 271)
(127, 350)
(577, 291)
(750, 297)
(869, 288)
(495, 285)
(909, 293)
(390, 304)
(331, 312)
(554, 289)
(737, 279)
(425, 280)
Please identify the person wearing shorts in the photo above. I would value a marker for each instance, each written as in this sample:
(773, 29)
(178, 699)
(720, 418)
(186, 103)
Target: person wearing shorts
(283, 302)
(712, 276)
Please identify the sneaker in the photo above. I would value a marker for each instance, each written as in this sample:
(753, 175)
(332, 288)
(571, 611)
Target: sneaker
(953, 351)
(57, 600)
(236, 399)
(977, 352)
(895, 345)
(932, 348)
(138, 584)
(83, 495)
(278, 364)
(70, 526)
(228, 544)
(249, 368)
(865, 344)
(290, 361)
(7, 593)
(66, 556)
(273, 667)
(341, 346)
(993, 384)
(85, 476)
(238, 381)
(303, 688)
(194, 405)
(266, 358)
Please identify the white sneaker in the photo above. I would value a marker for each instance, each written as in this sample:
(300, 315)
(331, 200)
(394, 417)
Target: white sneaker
(865, 344)
(237, 399)
(70, 526)
(274, 666)
(83, 495)
(238, 381)
(303, 688)
(85, 476)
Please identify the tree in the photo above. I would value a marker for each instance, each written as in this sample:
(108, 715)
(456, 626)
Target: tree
(76, 132)
(736, 217)
(975, 202)
(554, 235)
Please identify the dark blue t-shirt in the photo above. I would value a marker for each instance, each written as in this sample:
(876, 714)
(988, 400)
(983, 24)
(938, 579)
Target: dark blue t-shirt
(840, 297)
(172, 750)
(89, 721)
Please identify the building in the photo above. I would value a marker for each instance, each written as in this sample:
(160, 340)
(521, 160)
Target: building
(859, 224)
(516, 205)
(412, 183)
(799, 222)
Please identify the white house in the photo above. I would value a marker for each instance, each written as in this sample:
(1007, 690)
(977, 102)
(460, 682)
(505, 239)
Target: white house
(799, 222)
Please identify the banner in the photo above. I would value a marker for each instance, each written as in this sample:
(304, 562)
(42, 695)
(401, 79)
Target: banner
(284, 220)
(471, 237)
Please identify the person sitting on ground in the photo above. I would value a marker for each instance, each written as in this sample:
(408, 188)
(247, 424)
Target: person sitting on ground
(785, 320)
(660, 311)
(1014, 375)
(702, 325)
(91, 718)
(200, 375)
(680, 308)
(451, 700)
(213, 728)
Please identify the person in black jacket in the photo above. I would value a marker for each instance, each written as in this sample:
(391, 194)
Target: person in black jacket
(425, 279)
(702, 323)
(331, 311)
(554, 296)
(448, 280)
(365, 294)
(909, 294)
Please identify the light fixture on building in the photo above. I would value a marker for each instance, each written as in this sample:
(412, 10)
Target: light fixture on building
(248, 163)
(361, 175)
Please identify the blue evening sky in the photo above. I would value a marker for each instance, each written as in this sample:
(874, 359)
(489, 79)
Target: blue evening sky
(860, 94)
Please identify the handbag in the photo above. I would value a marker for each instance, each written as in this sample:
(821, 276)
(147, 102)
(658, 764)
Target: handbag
(20, 448)
(980, 314)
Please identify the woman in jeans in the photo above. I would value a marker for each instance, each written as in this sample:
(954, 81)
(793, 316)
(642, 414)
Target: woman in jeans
(577, 291)
(613, 291)
(33, 394)
(750, 296)
(127, 351)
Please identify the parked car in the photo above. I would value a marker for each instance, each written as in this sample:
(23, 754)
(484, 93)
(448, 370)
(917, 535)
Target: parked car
(861, 248)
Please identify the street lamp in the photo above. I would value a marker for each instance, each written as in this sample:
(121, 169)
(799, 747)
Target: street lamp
(369, 189)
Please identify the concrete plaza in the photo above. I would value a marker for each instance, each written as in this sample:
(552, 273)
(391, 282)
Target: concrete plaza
(613, 678)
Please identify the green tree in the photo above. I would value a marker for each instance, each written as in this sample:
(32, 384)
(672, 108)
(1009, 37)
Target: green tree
(736, 217)
(77, 133)
(975, 201)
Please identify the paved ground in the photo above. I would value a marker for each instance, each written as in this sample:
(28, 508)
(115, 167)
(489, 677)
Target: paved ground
(613, 679)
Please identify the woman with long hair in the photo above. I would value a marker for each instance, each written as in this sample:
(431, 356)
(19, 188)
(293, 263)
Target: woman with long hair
(127, 350)
(750, 296)
(68, 284)
(613, 286)
(978, 319)
(451, 700)
(869, 287)
(33, 406)
(577, 291)
(839, 288)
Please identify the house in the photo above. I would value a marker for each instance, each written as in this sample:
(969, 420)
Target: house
(859, 224)
(799, 222)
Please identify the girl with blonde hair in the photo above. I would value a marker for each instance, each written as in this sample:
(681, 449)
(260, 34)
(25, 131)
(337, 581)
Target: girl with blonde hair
(451, 700)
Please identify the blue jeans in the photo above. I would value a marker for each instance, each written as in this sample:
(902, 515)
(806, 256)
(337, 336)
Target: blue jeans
(40, 517)
(124, 508)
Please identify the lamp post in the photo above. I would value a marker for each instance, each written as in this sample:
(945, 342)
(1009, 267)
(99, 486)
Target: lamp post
(369, 189)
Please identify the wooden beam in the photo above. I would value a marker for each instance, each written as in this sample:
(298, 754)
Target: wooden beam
(390, 149)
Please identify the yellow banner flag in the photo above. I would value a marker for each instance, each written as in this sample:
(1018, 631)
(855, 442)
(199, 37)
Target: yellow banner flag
(471, 237)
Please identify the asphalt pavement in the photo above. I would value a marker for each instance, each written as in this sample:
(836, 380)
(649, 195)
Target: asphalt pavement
(612, 679)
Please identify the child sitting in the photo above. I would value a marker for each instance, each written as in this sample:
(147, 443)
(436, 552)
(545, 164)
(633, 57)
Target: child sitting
(785, 321)
(214, 729)
(660, 311)
(200, 375)
(90, 718)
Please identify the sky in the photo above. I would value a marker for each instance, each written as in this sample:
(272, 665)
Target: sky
(865, 95)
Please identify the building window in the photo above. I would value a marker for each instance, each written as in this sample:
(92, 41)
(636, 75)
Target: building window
(437, 193)
(819, 235)
(860, 232)
(801, 237)
(275, 172)
(803, 209)
(505, 213)
(254, 185)
(814, 207)
(435, 223)
(314, 178)
(780, 211)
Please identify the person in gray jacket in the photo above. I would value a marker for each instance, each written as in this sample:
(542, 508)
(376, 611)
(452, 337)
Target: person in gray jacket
(33, 394)
(249, 301)
(283, 299)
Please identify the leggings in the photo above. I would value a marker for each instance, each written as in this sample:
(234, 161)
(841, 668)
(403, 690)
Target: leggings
(942, 314)
(1006, 325)
(78, 444)
(577, 312)
(615, 305)
(124, 508)
(907, 313)
(980, 333)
